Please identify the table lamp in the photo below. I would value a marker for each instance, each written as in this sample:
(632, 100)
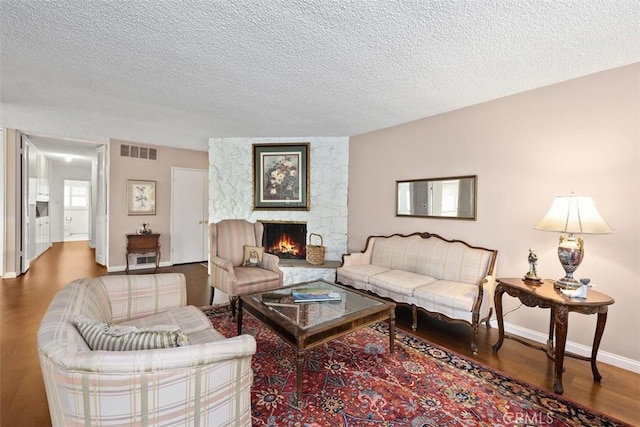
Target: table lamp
(572, 215)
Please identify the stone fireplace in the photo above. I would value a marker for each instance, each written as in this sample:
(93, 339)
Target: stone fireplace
(231, 196)
(286, 240)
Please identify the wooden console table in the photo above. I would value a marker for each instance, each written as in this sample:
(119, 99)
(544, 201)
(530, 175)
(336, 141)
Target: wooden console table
(546, 295)
(143, 244)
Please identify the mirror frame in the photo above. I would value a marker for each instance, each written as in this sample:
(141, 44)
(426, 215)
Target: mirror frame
(427, 181)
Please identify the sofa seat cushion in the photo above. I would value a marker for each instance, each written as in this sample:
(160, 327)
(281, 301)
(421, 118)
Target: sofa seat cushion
(193, 322)
(400, 281)
(361, 273)
(248, 276)
(446, 297)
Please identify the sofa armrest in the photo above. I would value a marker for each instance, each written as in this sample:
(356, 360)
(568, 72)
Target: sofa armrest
(349, 260)
(213, 383)
(222, 263)
(133, 296)
(488, 286)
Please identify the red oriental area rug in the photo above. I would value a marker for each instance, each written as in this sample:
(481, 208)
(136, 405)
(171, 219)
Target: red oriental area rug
(355, 381)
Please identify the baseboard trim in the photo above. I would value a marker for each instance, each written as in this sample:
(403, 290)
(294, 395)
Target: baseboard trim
(118, 268)
(10, 275)
(580, 349)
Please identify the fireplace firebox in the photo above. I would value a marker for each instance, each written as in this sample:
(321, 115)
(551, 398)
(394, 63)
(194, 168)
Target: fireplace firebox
(287, 240)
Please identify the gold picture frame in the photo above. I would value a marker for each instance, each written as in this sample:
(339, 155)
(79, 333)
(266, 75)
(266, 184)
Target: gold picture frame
(141, 197)
(281, 176)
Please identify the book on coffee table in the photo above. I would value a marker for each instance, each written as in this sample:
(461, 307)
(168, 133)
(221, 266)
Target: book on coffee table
(314, 295)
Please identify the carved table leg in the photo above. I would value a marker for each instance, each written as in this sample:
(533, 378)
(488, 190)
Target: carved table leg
(602, 320)
(158, 261)
(552, 320)
(561, 319)
(497, 303)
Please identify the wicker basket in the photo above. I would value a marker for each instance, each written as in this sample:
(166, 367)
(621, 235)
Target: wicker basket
(315, 253)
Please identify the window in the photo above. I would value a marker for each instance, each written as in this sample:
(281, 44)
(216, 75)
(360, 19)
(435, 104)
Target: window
(76, 194)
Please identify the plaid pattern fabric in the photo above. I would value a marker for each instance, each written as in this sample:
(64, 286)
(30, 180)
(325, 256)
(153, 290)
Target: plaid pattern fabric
(205, 384)
(153, 293)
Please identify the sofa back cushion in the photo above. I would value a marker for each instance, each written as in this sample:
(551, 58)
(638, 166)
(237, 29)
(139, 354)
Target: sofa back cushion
(433, 257)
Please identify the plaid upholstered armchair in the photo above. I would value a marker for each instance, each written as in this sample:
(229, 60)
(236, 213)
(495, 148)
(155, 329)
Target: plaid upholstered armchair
(202, 380)
(239, 265)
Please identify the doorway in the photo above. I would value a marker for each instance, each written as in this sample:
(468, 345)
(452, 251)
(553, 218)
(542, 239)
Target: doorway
(189, 215)
(77, 200)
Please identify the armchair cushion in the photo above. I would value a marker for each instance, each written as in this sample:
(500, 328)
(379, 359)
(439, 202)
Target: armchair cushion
(252, 256)
(112, 337)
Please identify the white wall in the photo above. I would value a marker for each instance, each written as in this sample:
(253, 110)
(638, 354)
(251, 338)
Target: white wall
(582, 135)
(230, 187)
(2, 192)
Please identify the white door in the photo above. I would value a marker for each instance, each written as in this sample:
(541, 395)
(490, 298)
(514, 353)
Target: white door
(101, 216)
(27, 195)
(189, 215)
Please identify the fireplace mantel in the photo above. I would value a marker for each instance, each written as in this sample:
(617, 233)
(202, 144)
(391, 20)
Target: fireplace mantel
(300, 263)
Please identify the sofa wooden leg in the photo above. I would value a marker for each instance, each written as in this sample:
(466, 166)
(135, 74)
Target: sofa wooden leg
(213, 291)
(474, 339)
(414, 315)
(487, 320)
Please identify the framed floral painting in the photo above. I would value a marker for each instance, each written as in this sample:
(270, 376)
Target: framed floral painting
(141, 197)
(281, 176)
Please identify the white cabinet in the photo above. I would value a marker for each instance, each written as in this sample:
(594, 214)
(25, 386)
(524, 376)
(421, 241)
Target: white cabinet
(38, 199)
(43, 235)
(42, 180)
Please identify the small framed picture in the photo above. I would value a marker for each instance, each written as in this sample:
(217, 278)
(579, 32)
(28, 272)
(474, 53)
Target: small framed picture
(281, 176)
(141, 197)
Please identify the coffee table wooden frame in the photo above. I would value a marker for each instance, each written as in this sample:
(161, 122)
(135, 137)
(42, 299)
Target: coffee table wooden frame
(304, 339)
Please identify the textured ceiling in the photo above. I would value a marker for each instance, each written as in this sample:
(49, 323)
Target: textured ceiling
(178, 72)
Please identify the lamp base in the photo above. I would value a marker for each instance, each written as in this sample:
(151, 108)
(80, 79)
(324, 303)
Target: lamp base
(567, 283)
(570, 253)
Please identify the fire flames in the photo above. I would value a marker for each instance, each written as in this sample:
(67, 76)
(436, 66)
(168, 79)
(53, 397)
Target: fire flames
(286, 246)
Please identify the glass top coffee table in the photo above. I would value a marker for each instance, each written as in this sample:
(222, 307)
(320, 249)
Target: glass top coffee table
(305, 325)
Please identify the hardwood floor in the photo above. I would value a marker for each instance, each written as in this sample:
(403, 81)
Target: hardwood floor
(24, 300)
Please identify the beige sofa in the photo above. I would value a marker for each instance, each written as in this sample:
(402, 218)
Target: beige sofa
(448, 279)
(204, 382)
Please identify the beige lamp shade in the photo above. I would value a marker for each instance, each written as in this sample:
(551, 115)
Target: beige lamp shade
(574, 215)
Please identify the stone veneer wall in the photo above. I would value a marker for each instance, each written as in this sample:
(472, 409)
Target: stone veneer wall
(230, 193)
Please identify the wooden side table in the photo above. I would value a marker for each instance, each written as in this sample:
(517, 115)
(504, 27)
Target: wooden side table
(143, 244)
(546, 295)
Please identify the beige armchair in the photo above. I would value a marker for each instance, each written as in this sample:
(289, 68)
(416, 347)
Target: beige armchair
(227, 241)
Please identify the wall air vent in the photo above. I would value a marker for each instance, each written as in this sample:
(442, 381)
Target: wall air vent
(138, 152)
(146, 260)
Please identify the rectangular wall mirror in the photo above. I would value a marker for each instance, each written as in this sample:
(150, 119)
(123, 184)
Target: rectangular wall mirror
(449, 198)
